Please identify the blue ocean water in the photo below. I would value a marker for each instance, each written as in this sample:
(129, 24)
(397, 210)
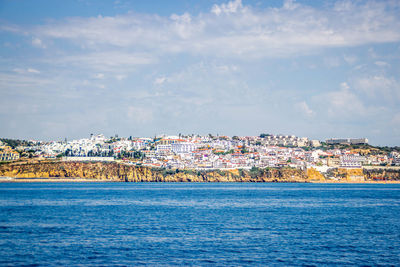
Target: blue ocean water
(53, 224)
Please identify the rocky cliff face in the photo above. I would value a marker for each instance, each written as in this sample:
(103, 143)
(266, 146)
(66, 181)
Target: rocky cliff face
(382, 175)
(347, 175)
(127, 173)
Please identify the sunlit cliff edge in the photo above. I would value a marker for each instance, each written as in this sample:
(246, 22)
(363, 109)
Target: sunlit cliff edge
(126, 173)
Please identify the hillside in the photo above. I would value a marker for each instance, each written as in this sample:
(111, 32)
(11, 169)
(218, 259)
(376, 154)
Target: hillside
(128, 173)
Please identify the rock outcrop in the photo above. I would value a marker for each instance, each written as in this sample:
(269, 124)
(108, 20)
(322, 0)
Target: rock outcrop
(119, 172)
(315, 176)
(355, 175)
(127, 173)
(382, 174)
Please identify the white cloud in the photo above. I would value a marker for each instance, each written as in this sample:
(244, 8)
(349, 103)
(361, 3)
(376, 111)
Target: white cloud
(378, 86)
(290, 4)
(26, 71)
(105, 61)
(382, 64)
(226, 69)
(344, 6)
(32, 70)
(22, 79)
(305, 109)
(344, 86)
(230, 7)
(350, 59)
(203, 83)
(184, 18)
(11, 28)
(18, 70)
(241, 31)
(38, 43)
(160, 80)
(182, 25)
(344, 103)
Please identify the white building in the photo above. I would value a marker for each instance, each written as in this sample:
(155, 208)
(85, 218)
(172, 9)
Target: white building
(315, 143)
(311, 156)
(351, 161)
(183, 147)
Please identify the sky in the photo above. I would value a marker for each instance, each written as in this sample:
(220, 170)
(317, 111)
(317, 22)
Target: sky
(318, 69)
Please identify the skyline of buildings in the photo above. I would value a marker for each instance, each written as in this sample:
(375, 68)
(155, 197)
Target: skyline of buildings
(212, 152)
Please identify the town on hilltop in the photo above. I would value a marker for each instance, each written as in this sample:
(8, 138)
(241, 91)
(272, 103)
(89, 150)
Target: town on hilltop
(209, 152)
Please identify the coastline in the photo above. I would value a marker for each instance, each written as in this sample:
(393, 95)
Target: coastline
(117, 172)
(78, 180)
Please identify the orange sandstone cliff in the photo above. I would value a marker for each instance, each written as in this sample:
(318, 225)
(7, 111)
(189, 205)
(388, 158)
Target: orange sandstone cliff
(128, 173)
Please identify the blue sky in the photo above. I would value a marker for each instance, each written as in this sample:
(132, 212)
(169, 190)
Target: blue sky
(319, 69)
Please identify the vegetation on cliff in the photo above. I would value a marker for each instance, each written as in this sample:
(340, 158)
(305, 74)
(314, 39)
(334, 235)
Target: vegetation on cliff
(13, 143)
(362, 149)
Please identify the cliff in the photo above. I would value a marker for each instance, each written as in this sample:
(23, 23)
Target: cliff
(382, 174)
(347, 175)
(127, 173)
(315, 176)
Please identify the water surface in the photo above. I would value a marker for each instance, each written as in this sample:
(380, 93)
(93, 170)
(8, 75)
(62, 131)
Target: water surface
(199, 224)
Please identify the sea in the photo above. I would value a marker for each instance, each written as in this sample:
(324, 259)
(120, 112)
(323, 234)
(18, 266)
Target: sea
(201, 224)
